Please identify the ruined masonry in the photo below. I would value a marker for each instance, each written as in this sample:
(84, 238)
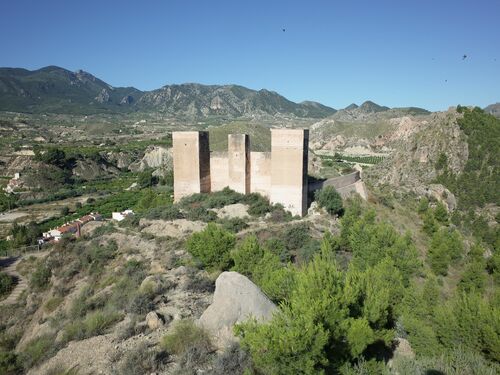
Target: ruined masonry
(280, 175)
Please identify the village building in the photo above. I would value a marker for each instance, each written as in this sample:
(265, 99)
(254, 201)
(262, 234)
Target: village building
(119, 216)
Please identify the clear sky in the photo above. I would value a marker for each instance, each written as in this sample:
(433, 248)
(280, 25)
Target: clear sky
(396, 53)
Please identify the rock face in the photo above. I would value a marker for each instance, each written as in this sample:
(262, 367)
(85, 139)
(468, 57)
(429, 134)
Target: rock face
(155, 157)
(236, 299)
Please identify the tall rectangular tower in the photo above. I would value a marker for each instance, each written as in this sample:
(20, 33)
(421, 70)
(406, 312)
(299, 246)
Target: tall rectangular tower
(289, 149)
(191, 163)
(238, 146)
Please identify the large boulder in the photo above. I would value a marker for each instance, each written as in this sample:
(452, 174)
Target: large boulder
(236, 299)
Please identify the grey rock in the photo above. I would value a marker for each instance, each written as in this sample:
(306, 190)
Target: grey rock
(236, 299)
(153, 320)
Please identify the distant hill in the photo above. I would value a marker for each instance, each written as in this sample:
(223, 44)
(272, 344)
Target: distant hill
(56, 90)
(493, 109)
(370, 111)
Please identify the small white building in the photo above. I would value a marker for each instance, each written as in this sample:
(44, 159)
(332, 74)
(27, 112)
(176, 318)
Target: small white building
(119, 216)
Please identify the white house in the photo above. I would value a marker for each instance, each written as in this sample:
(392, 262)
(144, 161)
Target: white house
(119, 216)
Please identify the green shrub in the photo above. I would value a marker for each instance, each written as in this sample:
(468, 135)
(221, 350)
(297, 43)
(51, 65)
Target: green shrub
(185, 335)
(38, 350)
(473, 277)
(446, 246)
(279, 214)
(233, 225)
(423, 205)
(275, 280)
(441, 213)
(277, 247)
(200, 214)
(296, 236)
(307, 251)
(9, 363)
(40, 278)
(98, 322)
(223, 198)
(94, 324)
(329, 199)
(170, 212)
(258, 205)
(52, 304)
(96, 256)
(247, 255)
(7, 283)
(212, 247)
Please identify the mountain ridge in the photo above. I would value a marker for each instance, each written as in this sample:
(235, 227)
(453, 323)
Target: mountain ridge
(58, 90)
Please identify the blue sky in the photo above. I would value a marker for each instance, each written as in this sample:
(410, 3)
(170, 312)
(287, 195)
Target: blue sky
(396, 53)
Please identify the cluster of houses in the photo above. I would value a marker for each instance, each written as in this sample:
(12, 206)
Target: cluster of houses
(73, 229)
(69, 229)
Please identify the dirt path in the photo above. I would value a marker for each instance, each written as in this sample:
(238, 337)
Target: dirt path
(8, 265)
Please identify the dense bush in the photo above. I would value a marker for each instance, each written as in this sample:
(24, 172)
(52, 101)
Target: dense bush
(200, 214)
(446, 246)
(329, 199)
(247, 255)
(212, 247)
(331, 318)
(296, 236)
(483, 139)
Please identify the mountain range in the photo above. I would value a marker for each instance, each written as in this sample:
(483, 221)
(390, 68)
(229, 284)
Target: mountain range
(56, 90)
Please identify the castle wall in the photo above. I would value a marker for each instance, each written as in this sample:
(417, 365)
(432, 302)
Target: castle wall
(191, 163)
(289, 148)
(260, 173)
(337, 182)
(218, 170)
(238, 170)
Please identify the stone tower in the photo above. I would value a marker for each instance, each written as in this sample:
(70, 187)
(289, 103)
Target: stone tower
(289, 149)
(239, 163)
(191, 163)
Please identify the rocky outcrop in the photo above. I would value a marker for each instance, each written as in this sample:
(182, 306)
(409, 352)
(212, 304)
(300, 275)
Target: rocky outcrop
(121, 159)
(417, 150)
(439, 193)
(103, 96)
(153, 320)
(236, 299)
(88, 169)
(155, 157)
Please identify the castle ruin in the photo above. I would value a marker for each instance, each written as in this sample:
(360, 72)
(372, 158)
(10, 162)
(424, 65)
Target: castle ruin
(281, 175)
